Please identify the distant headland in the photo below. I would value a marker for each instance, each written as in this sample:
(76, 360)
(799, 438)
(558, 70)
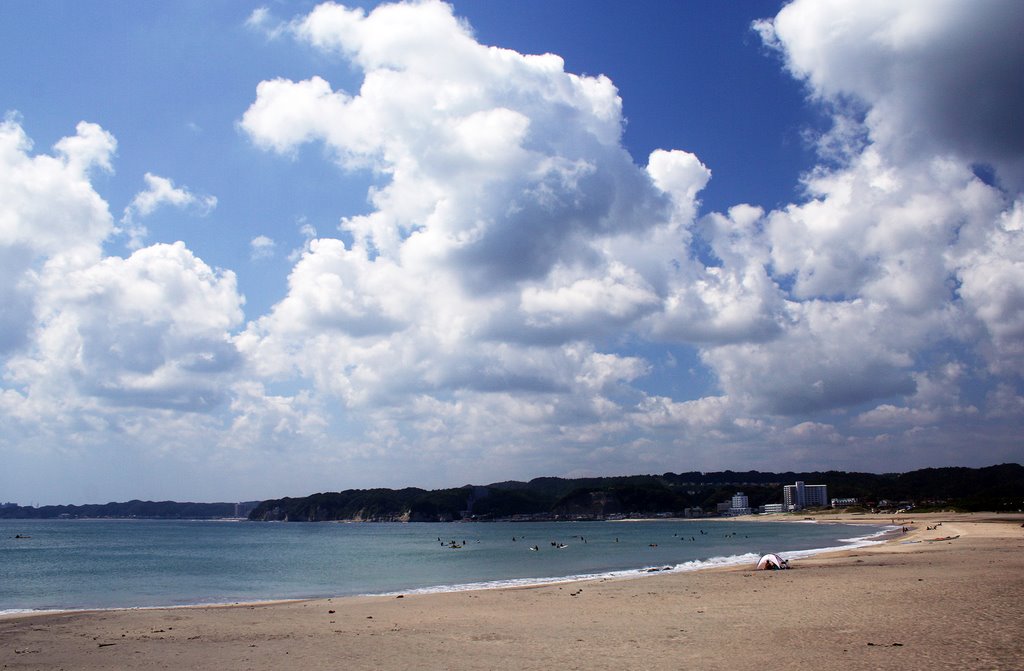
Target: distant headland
(135, 509)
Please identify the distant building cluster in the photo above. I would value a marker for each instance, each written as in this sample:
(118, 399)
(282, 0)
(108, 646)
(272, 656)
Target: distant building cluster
(797, 496)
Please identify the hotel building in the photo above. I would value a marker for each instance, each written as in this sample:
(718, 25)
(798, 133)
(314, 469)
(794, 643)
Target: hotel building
(740, 504)
(801, 495)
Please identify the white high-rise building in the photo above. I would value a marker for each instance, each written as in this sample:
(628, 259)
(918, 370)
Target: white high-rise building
(802, 495)
(740, 504)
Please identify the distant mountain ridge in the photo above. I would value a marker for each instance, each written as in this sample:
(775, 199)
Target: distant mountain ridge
(991, 488)
(134, 509)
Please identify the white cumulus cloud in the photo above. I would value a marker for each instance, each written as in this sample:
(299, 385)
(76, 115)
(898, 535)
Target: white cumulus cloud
(160, 192)
(510, 233)
(261, 247)
(930, 76)
(516, 283)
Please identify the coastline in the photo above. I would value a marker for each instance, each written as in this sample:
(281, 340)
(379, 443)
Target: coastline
(905, 603)
(880, 530)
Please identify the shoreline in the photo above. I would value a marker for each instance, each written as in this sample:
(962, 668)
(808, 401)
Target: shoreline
(707, 564)
(905, 603)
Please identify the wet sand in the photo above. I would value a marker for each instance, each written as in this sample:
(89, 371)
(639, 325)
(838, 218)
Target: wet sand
(904, 605)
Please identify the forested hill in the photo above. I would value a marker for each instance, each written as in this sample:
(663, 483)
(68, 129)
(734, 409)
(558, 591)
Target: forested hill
(131, 509)
(991, 488)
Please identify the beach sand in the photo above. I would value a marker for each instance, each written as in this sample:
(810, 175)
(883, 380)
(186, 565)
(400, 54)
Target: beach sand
(955, 604)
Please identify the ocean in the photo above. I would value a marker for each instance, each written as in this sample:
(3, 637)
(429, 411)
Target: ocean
(86, 564)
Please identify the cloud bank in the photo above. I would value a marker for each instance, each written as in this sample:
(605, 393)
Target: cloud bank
(495, 311)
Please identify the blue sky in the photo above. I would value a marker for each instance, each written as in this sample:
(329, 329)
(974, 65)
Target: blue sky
(260, 250)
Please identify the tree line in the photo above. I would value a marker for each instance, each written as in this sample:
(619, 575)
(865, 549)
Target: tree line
(993, 488)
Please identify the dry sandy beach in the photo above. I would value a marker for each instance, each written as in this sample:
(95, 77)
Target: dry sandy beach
(955, 604)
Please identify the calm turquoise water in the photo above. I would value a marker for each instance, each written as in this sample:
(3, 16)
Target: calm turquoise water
(70, 564)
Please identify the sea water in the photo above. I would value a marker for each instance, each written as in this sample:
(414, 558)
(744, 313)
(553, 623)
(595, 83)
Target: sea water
(75, 564)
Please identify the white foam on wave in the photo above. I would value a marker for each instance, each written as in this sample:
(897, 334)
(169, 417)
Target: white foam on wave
(847, 544)
(16, 612)
(714, 562)
(509, 583)
(888, 529)
(19, 612)
(866, 540)
(693, 565)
